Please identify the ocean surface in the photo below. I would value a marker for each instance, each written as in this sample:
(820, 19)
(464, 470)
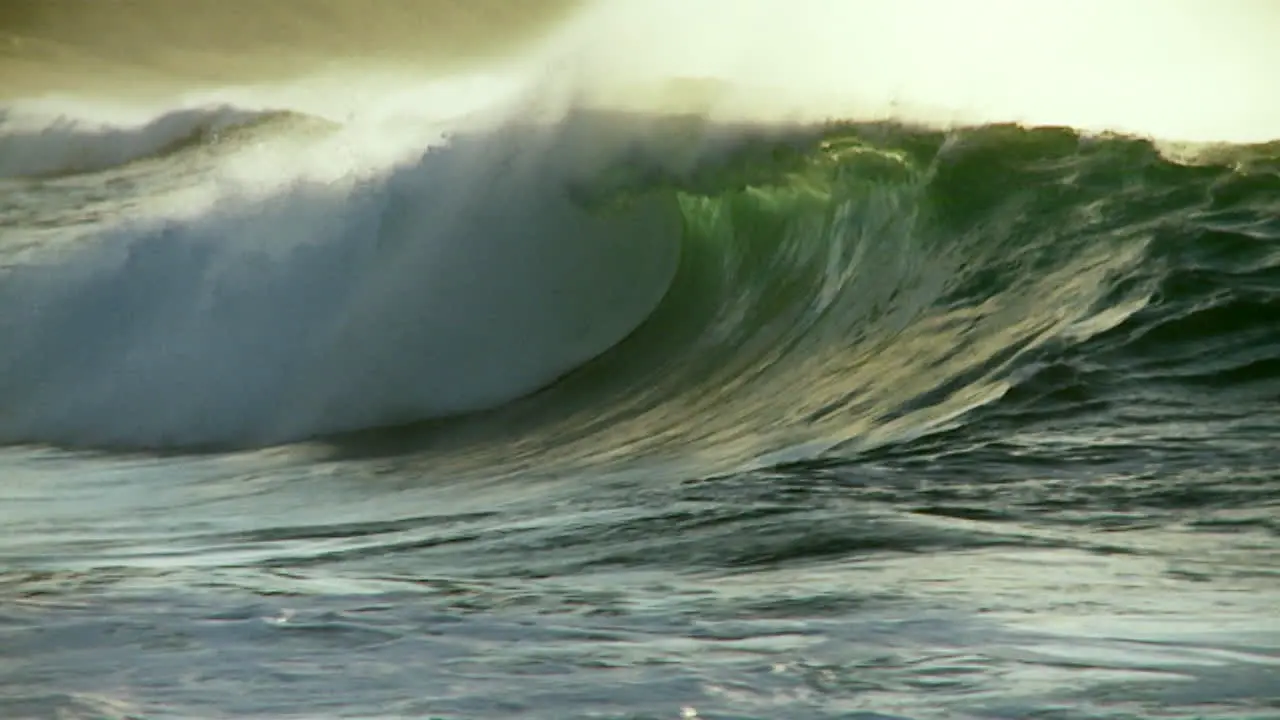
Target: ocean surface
(441, 359)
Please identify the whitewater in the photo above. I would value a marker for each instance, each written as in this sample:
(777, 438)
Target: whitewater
(640, 359)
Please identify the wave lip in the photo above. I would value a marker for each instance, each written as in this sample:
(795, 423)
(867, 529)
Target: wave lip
(49, 141)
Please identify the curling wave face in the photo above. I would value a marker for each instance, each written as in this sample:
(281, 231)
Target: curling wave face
(257, 308)
(849, 283)
(875, 283)
(275, 263)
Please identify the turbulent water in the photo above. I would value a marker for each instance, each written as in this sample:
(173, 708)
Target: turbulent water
(434, 361)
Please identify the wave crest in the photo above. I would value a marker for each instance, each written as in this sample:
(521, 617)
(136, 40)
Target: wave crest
(50, 140)
(251, 314)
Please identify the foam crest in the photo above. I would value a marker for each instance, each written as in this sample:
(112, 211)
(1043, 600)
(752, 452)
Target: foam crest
(290, 297)
(49, 139)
